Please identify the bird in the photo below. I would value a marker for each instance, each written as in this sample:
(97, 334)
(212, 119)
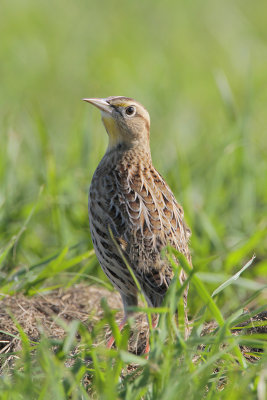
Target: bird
(133, 214)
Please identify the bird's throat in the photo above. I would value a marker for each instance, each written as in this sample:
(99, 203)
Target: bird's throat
(112, 130)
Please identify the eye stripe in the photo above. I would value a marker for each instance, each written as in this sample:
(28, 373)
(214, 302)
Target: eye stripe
(116, 108)
(119, 111)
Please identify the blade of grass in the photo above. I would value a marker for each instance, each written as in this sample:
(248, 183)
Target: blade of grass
(207, 299)
(16, 238)
(234, 277)
(133, 276)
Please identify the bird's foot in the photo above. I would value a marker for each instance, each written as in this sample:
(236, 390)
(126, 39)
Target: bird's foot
(112, 339)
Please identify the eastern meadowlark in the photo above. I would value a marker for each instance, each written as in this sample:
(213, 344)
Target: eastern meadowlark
(130, 203)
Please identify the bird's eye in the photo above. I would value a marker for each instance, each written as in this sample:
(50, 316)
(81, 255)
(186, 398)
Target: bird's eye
(130, 110)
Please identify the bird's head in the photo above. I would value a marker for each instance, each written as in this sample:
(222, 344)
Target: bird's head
(126, 121)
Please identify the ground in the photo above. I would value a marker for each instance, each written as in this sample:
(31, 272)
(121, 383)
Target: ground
(43, 312)
(81, 302)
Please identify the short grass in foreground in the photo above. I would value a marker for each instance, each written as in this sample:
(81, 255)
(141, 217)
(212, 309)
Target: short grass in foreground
(205, 366)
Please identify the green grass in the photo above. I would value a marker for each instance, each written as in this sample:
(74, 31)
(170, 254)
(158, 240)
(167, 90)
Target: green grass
(200, 69)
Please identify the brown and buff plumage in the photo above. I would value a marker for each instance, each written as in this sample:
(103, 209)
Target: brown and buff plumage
(129, 197)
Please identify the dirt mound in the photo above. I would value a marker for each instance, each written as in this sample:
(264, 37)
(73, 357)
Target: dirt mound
(80, 302)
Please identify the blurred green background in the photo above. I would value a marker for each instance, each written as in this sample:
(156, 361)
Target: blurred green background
(199, 67)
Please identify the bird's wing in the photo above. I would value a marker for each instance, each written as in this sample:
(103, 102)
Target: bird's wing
(145, 218)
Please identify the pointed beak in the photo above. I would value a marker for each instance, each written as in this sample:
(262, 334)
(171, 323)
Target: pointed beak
(102, 104)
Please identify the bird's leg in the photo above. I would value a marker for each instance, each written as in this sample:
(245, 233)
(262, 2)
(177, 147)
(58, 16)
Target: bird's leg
(112, 339)
(182, 278)
(155, 321)
(187, 329)
(127, 301)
